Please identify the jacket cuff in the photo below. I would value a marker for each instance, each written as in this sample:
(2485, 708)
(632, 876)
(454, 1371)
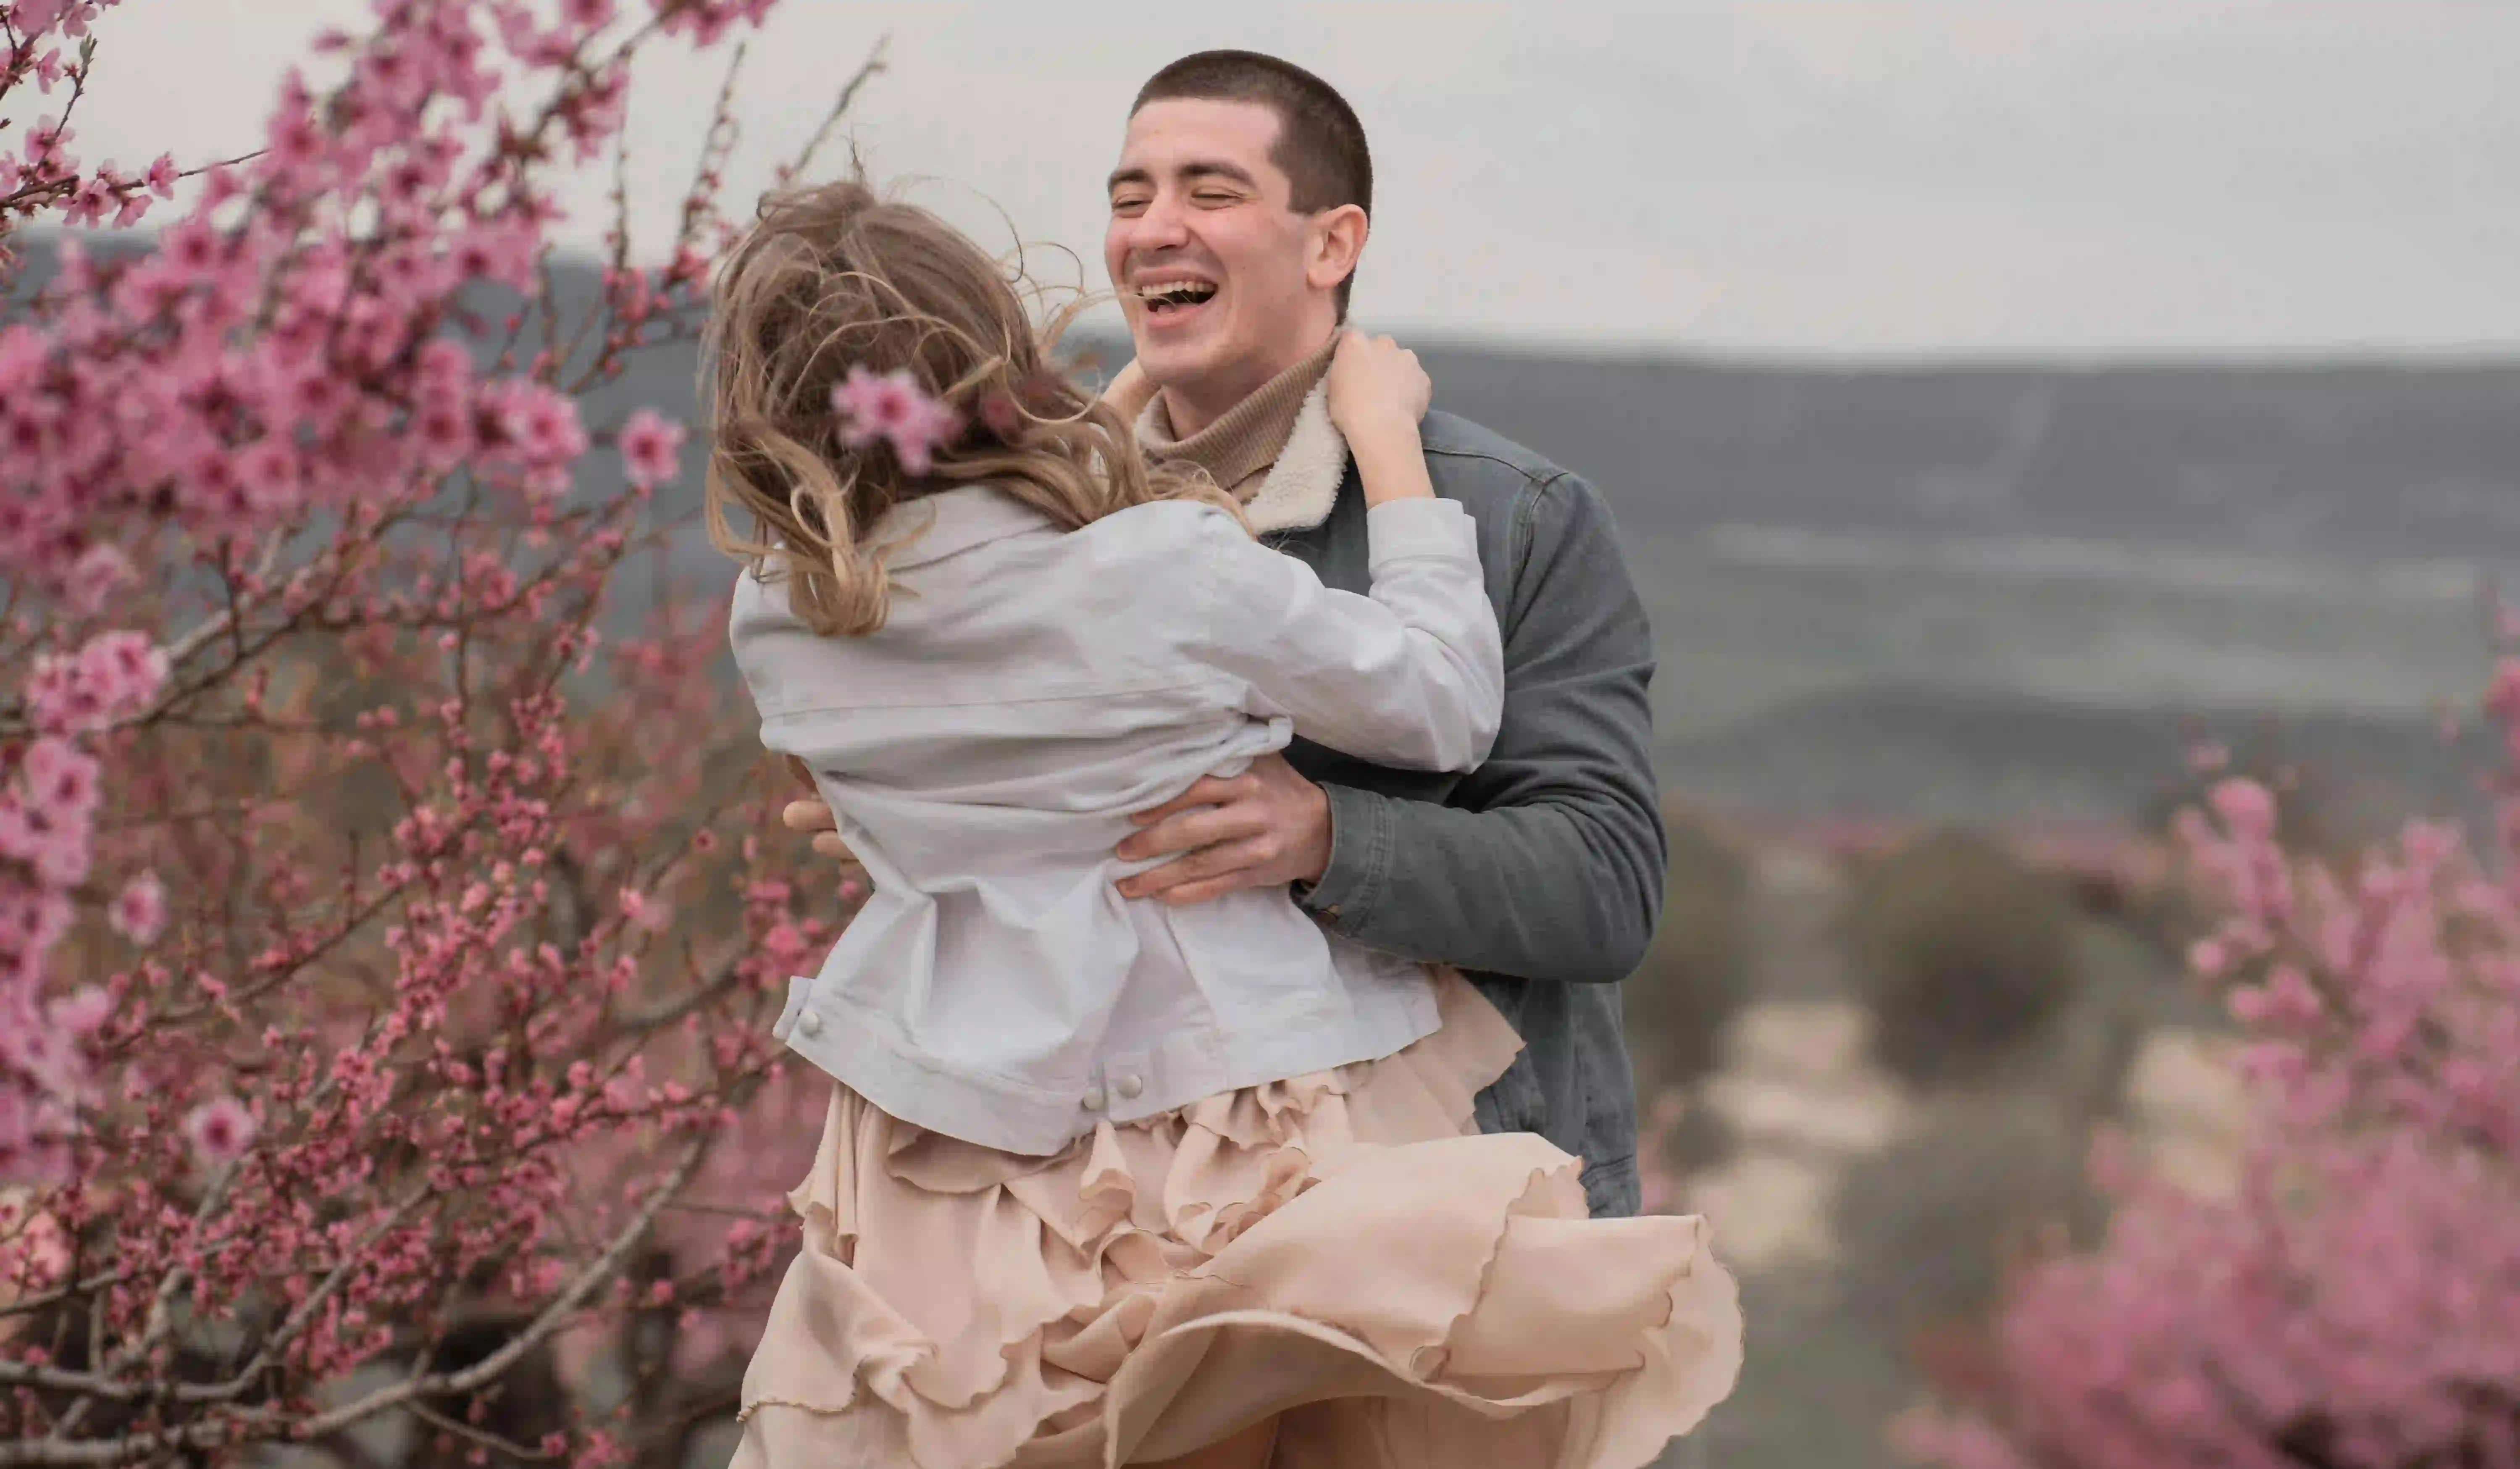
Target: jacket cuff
(1352, 882)
(1401, 529)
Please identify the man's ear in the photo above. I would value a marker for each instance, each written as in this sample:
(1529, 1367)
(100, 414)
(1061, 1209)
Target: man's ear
(1337, 240)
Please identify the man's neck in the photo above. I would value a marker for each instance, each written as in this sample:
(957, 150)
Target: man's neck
(1193, 408)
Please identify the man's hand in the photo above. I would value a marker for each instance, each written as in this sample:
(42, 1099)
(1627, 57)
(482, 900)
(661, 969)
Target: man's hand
(1265, 828)
(810, 813)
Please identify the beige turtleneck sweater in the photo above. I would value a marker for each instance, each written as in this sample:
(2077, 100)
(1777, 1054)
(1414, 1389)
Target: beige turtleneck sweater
(1238, 449)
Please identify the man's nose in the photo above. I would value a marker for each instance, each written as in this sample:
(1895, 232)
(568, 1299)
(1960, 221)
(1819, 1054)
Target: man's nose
(1162, 225)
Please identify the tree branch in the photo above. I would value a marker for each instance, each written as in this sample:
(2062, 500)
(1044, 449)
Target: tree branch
(873, 66)
(553, 1318)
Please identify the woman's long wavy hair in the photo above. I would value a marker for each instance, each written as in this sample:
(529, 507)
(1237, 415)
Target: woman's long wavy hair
(832, 278)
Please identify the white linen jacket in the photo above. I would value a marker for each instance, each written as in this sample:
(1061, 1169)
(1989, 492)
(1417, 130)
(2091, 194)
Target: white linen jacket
(982, 753)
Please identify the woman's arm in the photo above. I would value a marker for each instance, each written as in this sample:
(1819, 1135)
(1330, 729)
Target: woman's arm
(1378, 396)
(1129, 391)
(1411, 674)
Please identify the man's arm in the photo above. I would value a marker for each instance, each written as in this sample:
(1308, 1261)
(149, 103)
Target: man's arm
(1549, 865)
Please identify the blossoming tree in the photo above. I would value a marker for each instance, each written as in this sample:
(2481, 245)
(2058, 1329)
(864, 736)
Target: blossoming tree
(382, 1003)
(2356, 1304)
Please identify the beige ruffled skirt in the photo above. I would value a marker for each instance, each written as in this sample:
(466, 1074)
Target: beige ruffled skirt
(1342, 1249)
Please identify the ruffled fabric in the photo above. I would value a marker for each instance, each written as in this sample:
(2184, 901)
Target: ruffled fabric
(1342, 1250)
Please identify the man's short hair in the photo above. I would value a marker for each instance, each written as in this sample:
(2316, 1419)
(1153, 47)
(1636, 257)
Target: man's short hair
(1321, 145)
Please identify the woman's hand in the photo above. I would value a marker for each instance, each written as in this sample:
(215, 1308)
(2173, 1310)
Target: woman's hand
(1376, 388)
(1377, 394)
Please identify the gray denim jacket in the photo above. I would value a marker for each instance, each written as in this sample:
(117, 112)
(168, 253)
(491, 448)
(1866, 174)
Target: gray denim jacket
(1540, 874)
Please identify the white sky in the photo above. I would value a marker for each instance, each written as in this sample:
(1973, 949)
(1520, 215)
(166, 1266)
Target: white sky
(1899, 177)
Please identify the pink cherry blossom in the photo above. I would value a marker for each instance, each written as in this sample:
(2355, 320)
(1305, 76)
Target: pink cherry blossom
(1002, 416)
(81, 1013)
(139, 910)
(31, 920)
(115, 676)
(59, 776)
(650, 447)
(894, 407)
(2352, 1304)
(2248, 806)
(36, 1047)
(220, 1131)
(707, 22)
(2502, 696)
(540, 427)
(23, 353)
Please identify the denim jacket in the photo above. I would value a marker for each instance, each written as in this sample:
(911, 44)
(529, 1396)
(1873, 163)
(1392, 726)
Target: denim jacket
(1540, 875)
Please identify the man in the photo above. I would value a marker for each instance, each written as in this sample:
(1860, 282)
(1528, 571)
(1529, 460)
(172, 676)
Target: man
(1239, 210)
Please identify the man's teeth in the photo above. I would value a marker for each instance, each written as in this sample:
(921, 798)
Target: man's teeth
(1175, 291)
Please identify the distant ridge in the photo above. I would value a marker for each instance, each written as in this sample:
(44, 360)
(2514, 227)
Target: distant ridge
(1982, 585)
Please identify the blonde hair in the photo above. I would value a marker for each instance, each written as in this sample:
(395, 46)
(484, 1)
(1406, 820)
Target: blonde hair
(832, 278)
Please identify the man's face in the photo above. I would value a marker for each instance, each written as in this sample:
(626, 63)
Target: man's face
(1198, 207)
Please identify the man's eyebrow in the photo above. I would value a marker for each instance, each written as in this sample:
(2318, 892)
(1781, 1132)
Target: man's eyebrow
(1218, 168)
(1197, 168)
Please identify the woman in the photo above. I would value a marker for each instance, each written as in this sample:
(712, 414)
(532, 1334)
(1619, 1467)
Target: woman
(1108, 1181)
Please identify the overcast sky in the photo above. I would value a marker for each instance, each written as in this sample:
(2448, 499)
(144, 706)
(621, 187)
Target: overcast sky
(1890, 178)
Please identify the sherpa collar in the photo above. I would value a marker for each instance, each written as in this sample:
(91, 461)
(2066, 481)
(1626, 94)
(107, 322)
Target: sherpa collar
(1301, 486)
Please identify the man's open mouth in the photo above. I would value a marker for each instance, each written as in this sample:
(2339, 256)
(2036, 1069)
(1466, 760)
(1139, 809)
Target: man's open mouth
(1167, 300)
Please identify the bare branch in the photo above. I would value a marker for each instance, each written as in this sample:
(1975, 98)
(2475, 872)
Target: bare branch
(483, 1437)
(873, 66)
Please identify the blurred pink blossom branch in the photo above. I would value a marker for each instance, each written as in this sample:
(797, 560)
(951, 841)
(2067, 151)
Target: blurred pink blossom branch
(371, 991)
(2357, 1302)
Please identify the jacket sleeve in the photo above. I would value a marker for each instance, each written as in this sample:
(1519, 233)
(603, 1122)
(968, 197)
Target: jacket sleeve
(1411, 674)
(1549, 861)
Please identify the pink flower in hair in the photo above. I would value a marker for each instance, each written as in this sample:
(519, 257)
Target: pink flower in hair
(896, 408)
(1004, 418)
(871, 407)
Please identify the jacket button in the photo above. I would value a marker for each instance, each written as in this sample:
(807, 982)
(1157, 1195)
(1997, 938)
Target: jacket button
(1130, 1087)
(810, 1023)
(1331, 911)
(1092, 1098)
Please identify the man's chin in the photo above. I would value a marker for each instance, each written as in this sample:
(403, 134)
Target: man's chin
(1168, 365)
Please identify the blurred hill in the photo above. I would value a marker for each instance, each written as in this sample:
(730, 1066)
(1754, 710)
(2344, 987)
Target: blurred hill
(2003, 591)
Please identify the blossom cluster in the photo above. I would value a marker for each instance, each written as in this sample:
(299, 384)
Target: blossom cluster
(2356, 1303)
(363, 976)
